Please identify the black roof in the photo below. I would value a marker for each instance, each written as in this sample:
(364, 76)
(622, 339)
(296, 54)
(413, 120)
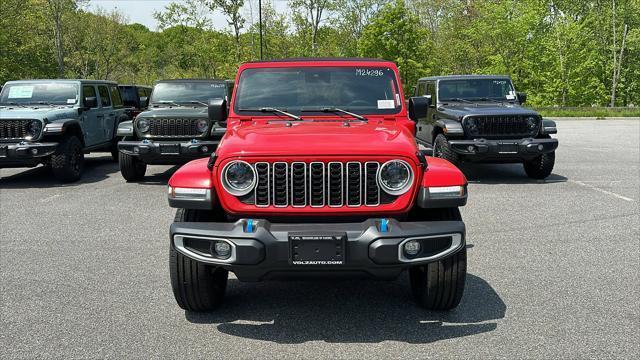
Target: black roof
(142, 86)
(317, 59)
(462, 77)
(190, 80)
(106, 82)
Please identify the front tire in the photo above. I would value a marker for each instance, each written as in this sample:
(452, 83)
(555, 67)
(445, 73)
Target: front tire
(541, 166)
(67, 162)
(131, 168)
(196, 286)
(442, 149)
(439, 285)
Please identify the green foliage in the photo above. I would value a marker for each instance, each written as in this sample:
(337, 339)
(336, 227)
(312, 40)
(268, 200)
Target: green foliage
(560, 52)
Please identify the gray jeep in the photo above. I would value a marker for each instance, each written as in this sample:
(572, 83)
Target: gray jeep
(480, 118)
(175, 128)
(56, 122)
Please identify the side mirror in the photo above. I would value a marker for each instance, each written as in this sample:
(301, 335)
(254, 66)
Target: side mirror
(522, 97)
(144, 102)
(218, 111)
(90, 102)
(418, 107)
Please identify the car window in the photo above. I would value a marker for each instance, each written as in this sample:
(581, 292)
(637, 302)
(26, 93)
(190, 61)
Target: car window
(115, 96)
(40, 92)
(421, 90)
(88, 91)
(104, 96)
(141, 92)
(431, 90)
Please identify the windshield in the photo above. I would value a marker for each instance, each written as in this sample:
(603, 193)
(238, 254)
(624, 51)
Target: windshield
(39, 93)
(476, 89)
(360, 90)
(188, 92)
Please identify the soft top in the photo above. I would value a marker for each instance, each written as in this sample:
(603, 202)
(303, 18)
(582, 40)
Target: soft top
(463, 77)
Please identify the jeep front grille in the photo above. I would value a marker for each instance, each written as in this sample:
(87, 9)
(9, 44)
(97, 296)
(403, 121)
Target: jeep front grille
(317, 184)
(173, 127)
(13, 129)
(512, 125)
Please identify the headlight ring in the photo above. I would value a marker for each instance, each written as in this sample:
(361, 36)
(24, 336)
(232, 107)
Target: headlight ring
(238, 177)
(395, 177)
(142, 125)
(202, 125)
(34, 128)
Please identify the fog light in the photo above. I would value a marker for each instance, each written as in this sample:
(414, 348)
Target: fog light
(222, 249)
(540, 147)
(412, 247)
(204, 148)
(34, 151)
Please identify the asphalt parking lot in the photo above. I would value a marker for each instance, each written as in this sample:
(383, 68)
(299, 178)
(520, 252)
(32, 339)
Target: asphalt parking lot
(553, 271)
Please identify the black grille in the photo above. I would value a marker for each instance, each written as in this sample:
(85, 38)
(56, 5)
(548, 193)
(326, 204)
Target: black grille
(317, 184)
(513, 125)
(172, 127)
(13, 129)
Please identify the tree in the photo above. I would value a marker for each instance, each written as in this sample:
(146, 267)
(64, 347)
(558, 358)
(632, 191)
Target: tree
(231, 9)
(393, 34)
(309, 15)
(57, 10)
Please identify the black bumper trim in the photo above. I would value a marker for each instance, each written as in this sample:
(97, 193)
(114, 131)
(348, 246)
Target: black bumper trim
(16, 153)
(265, 252)
(519, 148)
(157, 151)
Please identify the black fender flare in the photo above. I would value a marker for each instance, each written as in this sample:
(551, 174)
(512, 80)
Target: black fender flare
(448, 127)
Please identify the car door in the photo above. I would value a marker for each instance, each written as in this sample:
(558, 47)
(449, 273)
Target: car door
(421, 123)
(106, 116)
(89, 118)
(118, 109)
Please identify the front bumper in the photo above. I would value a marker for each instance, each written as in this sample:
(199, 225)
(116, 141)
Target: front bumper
(167, 151)
(264, 250)
(25, 153)
(527, 148)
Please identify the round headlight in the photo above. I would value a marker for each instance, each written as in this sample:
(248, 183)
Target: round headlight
(532, 122)
(202, 125)
(238, 178)
(34, 129)
(472, 126)
(395, 177)
(143, 125)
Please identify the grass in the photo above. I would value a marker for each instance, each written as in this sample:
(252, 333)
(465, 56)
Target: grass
(597, 112)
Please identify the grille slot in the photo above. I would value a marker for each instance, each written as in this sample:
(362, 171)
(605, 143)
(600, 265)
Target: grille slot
(172, 127)
(13, 129)
(317, 184)
(512, 125)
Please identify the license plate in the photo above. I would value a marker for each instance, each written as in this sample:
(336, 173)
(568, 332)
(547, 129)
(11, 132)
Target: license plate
(170, 149)
(317, 249)
(3, 151)
(508, 148)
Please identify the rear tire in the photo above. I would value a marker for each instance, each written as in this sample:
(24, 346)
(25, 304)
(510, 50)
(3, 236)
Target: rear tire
(442, 149)
(196, 286)
(541, 166)
(131, 168)
(67, 162)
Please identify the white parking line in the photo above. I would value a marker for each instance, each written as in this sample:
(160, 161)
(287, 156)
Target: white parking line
(601, 190)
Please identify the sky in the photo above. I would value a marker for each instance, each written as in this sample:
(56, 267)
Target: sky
(141, 11)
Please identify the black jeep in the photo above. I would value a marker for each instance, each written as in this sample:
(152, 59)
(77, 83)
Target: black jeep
(480, 118)
(174, 129)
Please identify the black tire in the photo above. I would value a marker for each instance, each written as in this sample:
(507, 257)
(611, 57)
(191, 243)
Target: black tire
(439, 285)
(131, 168)
(67, 162)
(196, 286)
(541, 166)
(442, 149)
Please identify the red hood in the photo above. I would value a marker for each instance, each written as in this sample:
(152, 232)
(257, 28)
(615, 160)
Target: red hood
(377, 137)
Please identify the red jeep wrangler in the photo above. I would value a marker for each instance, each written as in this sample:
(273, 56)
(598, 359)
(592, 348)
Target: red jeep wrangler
(318, 175)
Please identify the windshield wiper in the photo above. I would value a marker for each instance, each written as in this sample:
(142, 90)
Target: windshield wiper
(337, 110)
(197, 102)
(12, 103)
(167, 102)
(45, 103)
(277, 111)
(459, 100)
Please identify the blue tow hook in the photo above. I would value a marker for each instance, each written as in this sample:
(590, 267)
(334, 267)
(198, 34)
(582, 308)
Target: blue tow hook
(384, 225)
(250, 225)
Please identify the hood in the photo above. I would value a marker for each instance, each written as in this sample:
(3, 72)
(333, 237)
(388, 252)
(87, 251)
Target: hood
(311, 138)
(178, 111)
(45, 113)
(489, 109)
